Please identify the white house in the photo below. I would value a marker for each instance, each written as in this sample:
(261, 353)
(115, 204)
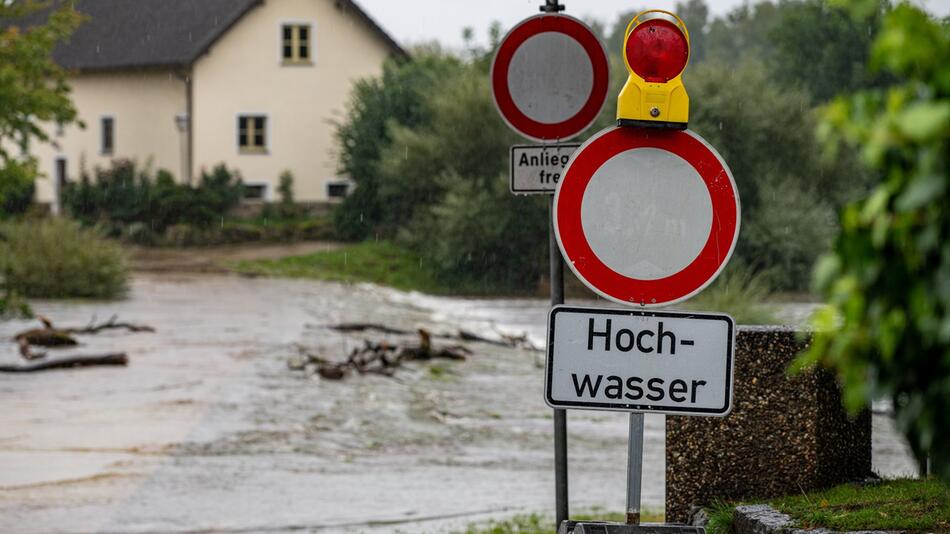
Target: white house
(188, 84)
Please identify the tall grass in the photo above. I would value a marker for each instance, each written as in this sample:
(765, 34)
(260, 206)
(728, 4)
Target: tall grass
(56, 258)
(740, 293)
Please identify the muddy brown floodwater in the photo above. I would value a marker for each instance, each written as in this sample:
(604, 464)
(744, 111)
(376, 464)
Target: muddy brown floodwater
(208, 430)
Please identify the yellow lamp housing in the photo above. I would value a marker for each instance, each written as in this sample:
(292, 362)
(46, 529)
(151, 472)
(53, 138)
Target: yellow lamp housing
(655, 51)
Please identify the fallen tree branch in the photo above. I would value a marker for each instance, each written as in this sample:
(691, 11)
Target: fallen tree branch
(381, 358)
(462, 335)
(50, 336)
(93, 328)
(68, 363)
(362, 327)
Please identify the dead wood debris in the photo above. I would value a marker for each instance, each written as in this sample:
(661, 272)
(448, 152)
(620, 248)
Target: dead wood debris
(51, 336)
(119, 358)
(382, 358)
(462, 335)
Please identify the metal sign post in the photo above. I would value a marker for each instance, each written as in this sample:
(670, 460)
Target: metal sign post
(634, 467)
(560, 415)
(549, 79)
(557, 298)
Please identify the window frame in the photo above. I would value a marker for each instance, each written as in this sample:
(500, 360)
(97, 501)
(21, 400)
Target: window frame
(252, 149)
(103, 150)
(265, 192)
(348, 184)
(296, 61)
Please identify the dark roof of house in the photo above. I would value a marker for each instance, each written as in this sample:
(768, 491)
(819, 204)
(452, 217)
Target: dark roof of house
(124, 34)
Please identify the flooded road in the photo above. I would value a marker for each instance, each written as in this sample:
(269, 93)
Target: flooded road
(208, 430)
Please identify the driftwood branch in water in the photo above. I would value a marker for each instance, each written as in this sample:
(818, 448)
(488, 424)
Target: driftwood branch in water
(363, 327)
(93, 328)
(462, 335)
(70, 362)
(384, 358)
(50, 336)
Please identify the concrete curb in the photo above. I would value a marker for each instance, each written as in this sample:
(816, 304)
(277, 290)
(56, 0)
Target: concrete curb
(763, 519)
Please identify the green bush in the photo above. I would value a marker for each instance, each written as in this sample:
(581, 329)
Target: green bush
(123, 195)
(56, 258)
(399, 97)
(886, 329)
(16, 187)
(319, 229)
(740, 293)
(241, 233)
(481, 237)
(788, 191)
(286, 208)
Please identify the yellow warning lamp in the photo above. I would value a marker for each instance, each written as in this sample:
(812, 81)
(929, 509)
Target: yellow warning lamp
(655, 50)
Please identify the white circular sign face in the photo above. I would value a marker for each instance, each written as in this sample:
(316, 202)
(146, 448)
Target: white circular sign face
(654, 202)
(550, 77)
(546, 94)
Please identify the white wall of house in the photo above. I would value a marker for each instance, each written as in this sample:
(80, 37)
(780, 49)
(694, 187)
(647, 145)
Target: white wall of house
(142, 105)
(244, 74)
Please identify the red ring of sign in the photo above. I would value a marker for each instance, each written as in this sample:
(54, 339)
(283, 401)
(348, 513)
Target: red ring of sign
(499, 77)
(594, 272)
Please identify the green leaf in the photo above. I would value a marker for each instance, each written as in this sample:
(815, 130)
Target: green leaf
(924, 120)
(921, 191)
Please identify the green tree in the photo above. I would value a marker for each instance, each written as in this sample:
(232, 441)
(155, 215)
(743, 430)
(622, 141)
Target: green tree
(33, 88)
(788, 193)
(447, 184)
(465, 139)
(823, 48)
(33, 91)
(399, 97)
(742, 34)
(287, 207)
(695, 14)
(16, 187)
(886, 329)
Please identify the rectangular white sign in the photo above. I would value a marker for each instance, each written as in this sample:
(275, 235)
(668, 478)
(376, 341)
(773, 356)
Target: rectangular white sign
(640, 361)
(536, 169)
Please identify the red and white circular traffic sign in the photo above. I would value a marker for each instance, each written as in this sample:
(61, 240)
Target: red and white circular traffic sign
(550, 77)
(646, 216)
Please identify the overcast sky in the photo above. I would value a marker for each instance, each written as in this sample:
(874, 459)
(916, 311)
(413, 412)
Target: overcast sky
(414, 21)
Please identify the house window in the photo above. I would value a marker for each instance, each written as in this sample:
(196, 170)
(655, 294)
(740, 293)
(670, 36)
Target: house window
(295, 43)
(255, 191)
(108, 135)
(337, 189)
(252, 134)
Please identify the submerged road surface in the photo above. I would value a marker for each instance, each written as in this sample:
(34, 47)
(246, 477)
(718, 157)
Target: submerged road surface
(208, 430)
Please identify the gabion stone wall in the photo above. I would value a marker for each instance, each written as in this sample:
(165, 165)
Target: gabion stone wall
(784, 434)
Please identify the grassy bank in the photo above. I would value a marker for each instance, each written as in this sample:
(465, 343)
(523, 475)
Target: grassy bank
(378, 262)
(544, 524)
(906, 504)
(736, 291)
